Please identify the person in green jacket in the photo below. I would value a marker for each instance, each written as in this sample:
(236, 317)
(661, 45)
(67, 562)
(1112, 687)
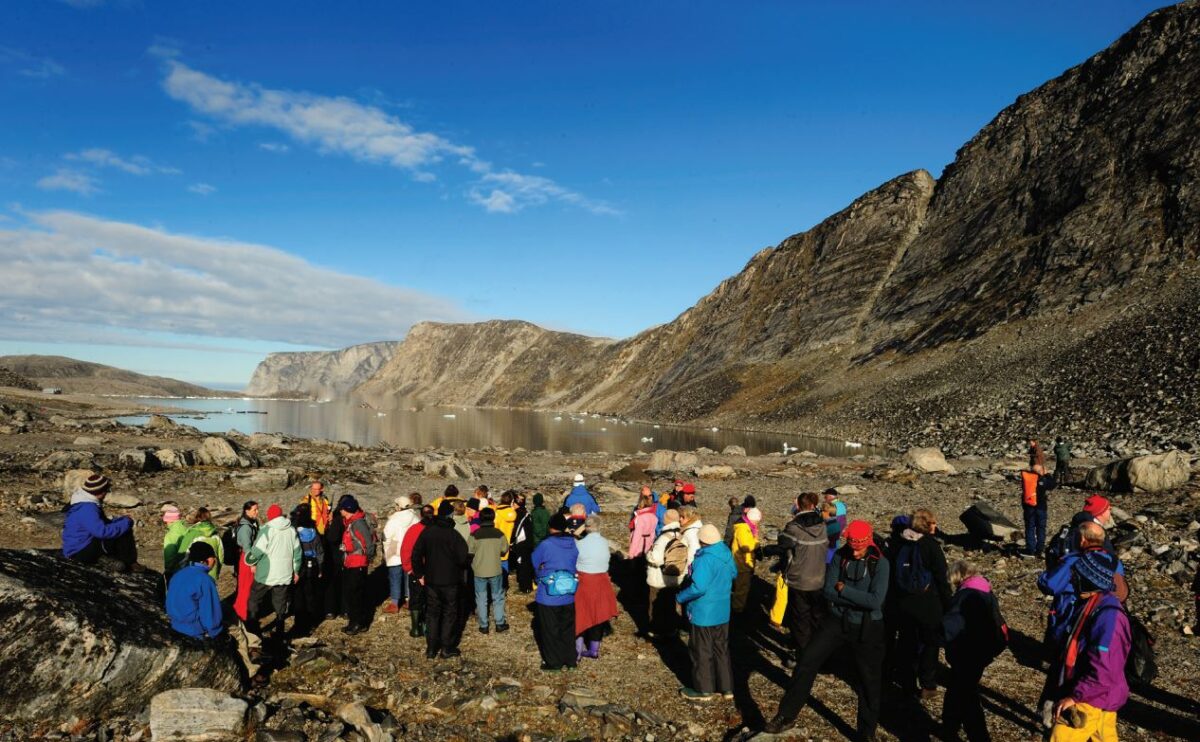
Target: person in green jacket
(201, 528)
(539, 519)
(173, 556)
(1062, 461)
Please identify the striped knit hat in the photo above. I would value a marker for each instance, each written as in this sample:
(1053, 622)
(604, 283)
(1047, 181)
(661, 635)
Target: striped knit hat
(97, 484)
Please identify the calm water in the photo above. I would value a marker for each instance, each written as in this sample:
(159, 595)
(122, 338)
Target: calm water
(474, 428)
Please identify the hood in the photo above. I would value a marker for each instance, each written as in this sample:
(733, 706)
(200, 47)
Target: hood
(976, 582)
(204, 526)
(911, 535)
(693, 526)
(670, 527)
(810, 518)
(79, 496)
(649, 509)
(280, 523)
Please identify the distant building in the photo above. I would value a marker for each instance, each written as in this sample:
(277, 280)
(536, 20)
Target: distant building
(52, 390)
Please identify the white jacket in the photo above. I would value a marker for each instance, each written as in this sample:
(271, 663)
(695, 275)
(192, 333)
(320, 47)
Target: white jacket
(657, 555)
(691, 535)
(393, 533)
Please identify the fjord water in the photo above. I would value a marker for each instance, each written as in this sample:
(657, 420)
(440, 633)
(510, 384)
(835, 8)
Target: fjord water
(473, 428)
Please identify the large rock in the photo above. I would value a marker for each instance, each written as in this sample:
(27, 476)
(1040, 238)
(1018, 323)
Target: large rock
(82, 643)
(663, 460)
(733, 451)
(928, 460)
(161, 423)
(356, 715)
(198, 715)
(63, 460)
(716, 472)
(171, 458)
(218, 451)
(121, 500)
(263, 479)
(448, 468)
(1154, 473)
(138, 460)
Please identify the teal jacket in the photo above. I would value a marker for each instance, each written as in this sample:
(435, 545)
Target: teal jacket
(709, 586)
(276, 553)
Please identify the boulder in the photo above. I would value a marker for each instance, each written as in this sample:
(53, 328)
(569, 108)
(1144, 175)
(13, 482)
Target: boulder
(733, 451)
(448, 468)
(986, 522)
(171, 458)
(218, 451)
(160, 423)
(716, 472)
(671, 461)
(63, 460)
(1154, 473)
(87, 440)
(121, 500)
(74, 479)
(198, 715)
(611, 494)
(929, 460)
(266, 440)
(262, 479)
(356, 715)
(138, 460)
(847, 489)
(81, 643)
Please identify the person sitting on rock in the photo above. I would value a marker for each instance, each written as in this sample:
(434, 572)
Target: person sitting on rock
(173, 555)
(201, 528)
(91, 537)
(579, 495)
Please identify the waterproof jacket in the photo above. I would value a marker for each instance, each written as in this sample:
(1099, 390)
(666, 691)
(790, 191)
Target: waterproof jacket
(358, 542)
(1035, 486)
(246, 533)
(835, 525)
(641, 531)
(969, 625)
(86, 521)
(691, 536)
(927, 607)
(440, 554)
(734, 518)
(334, 532)
(864, 589)
(462, 525)
(806, 542)
(557, 553)
(506, 520)
(276, 553)
(320, 510)
(706, 596)
(594, 554)
(173, 557)
(410, 540)
(1057, 582)
(1104, 642)
(488, 547)
(393, 534)
(744, 544)
(1062, 451)
(656, 558)
(203, 531)
(539, 521)
(579, 495)
(193, 604)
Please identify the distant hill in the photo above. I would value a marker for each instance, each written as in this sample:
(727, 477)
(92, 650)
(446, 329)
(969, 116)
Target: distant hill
(318, 373)
(81, 377)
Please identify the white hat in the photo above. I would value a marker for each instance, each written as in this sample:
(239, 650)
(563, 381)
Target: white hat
(403, 502)
(754, 515)
(578, 479)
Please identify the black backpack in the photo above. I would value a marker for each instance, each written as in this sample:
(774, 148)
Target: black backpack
(911, 575)
(229, 543)
(1058, 547)
(1140, 666)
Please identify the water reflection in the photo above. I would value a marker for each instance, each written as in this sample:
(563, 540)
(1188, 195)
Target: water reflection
(477, 428)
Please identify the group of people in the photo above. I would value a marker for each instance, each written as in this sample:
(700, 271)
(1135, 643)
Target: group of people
(888, 604)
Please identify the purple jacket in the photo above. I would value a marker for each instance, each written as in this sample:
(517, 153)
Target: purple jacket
(1099, 677)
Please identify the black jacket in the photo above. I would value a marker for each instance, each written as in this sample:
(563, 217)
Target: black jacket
(440, 554)
(927, 607)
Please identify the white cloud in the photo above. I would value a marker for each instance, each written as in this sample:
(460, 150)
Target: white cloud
(203, 189)
(71, 276)
(277, 147)
(366, 133)
(135, 165)
(30, 65)
(70, 180)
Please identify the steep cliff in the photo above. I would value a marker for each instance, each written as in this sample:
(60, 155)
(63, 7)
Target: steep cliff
(319, 373)
(1066, 229)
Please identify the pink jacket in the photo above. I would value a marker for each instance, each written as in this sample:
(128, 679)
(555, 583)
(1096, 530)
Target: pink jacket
(641, 531)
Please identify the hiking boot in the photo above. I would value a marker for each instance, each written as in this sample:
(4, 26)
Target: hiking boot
(431, 654)
(484, 629)
(451, 653)
(415, 630)
(593, 650)
(501, 628)
(727, 696)
(580, 649)
(692, 694)
(353, 629)
(391, 608)
(778, 725)
(550, 668)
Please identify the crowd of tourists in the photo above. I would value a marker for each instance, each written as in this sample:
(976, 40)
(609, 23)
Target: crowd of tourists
(889, 603)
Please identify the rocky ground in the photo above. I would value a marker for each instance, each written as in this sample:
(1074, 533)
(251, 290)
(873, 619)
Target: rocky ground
(496, 691)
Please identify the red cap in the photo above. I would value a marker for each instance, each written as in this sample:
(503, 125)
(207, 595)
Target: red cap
(274, 512)
(1095, 505)
(858, 532)
(689, 489)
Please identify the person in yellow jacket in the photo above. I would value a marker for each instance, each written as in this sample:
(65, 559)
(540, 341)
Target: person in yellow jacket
(321, 512)
(745, 548)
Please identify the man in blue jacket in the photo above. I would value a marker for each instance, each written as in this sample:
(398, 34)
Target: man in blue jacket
(554, 562)
(856, 582)
(579, 495)
(706, 599)
(192, 601)
(89, 536)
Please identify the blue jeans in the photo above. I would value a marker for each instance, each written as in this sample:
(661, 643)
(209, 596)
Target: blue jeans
(1035, 529)
(397, 584)
(481, 599)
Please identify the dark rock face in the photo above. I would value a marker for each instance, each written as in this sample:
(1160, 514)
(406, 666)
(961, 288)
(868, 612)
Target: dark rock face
(83, 643)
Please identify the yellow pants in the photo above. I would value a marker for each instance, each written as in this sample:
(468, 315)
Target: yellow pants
(1098, 725)
(741, 589)
(779, 607)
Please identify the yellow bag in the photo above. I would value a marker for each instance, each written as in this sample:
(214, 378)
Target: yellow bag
(777, 610)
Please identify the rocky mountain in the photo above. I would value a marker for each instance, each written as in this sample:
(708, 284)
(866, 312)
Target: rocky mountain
(319, 373)
(1046, 282)
(82, 377)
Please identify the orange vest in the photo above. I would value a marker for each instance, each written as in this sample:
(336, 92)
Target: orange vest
(1029, 485)
(321, 513)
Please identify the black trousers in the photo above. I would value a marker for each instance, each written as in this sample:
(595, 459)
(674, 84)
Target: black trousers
(664, 612)
(308, 597)
(805, 610)
(123, 548)
(279, 595)
(708, 648)
(864, 644)
(354, 596)
(441, 605)
(416, 595)
(554, 629)
(333, 585)
(521, 557)
(916, 652)
(961, 707)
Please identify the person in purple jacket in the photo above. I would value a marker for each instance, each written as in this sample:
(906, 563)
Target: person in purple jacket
(1093, 686)
(91, 537)
(554, 562)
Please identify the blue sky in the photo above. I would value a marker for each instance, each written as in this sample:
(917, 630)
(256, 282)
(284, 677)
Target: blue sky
(187, 186)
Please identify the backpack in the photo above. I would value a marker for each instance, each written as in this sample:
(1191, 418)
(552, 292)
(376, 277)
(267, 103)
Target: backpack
(1058, 547)
(372, 521)
(1140, 666)
(560, 582)
(675, 557)
(229, 546)
(911, 575)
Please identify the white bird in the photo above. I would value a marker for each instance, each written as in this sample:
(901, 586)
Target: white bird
(788, 449)
(450, 416)
(603, 430)
(647, 440)
(656, 427)
(558, 418)
(380, 414)
(852, 444)
(715, 429)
